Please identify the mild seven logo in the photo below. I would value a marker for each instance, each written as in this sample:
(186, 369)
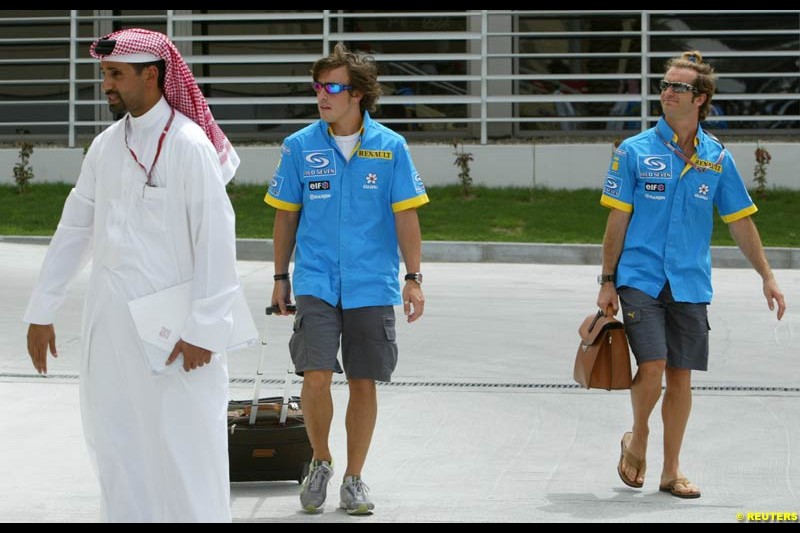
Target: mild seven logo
(319, 163)
(655, 166)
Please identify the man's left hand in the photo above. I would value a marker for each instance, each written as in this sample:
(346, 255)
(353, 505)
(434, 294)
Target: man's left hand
(413, 301)
(193, 356)
(774, 294)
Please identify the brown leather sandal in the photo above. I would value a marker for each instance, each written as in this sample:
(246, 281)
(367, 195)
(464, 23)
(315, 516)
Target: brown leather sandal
(670, 487)
(639, 464)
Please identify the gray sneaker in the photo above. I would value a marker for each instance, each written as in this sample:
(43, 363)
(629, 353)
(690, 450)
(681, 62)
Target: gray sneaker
(354, 496)
(315, 486)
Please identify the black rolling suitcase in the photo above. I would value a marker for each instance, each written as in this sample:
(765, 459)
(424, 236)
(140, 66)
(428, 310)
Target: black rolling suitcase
(267, 438)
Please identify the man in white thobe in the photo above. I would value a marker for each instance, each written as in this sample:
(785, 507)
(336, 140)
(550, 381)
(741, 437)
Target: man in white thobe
(151, 211)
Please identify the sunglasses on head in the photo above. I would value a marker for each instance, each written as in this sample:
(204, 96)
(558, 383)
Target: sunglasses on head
(677, 86)
(330, 88)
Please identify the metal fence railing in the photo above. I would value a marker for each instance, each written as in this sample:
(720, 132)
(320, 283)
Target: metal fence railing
(481, 74)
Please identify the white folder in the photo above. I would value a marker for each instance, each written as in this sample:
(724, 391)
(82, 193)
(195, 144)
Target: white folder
(160, 317)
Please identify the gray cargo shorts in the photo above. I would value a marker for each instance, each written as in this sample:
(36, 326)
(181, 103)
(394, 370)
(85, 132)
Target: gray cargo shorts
(367, 334)
(661, 328)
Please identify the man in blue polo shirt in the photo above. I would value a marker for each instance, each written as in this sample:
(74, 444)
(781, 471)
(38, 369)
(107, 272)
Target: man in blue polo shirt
(662, 188)
(346, 194)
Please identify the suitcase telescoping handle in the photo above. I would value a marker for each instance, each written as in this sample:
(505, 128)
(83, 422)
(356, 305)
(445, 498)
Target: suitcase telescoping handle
(274, 309)
(259, 373)
(257, 384)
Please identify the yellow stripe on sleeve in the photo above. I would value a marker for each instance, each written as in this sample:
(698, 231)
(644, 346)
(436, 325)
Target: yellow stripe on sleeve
(746, 212)
(411, 203)
(611, 203)
(280, 204)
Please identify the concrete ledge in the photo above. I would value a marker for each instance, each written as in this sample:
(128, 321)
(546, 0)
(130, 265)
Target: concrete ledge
(503, 252)
(537, 253)
(731, 257)
(19, 239)
(254, 250)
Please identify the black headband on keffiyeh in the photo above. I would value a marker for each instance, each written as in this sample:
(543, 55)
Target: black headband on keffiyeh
(137, 45)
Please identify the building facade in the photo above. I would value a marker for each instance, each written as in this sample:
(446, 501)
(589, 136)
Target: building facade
(481, 75)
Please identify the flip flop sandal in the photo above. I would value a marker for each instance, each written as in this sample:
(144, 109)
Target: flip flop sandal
(633, 461)
(670, 487)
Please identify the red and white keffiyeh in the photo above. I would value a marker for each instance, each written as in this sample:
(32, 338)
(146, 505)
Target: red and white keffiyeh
(137, 45)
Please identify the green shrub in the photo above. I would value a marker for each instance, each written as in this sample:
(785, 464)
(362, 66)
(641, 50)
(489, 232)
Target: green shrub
(23, 172)
(462, 161)
(760, 172)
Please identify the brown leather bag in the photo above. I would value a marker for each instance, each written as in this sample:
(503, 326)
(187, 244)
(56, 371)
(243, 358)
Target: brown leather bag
(603, 360)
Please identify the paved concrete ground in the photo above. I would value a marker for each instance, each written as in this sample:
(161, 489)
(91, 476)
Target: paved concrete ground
(483, 422)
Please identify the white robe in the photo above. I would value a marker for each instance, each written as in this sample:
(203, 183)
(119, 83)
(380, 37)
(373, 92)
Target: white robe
(158, 442)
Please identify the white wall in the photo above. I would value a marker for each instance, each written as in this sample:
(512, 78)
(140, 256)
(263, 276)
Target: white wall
(560, 166)
(48, 164)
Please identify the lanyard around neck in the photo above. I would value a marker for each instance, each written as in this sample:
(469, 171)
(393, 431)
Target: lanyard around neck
(149, 173)
(677, 151)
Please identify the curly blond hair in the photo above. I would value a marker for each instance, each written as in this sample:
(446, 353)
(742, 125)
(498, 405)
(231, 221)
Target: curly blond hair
(706, 81)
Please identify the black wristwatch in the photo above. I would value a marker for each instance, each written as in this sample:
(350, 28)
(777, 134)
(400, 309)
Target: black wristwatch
(603, 278)
(414, 276)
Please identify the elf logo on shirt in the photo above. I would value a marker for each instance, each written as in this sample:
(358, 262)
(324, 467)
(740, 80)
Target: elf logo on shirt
(319, 185)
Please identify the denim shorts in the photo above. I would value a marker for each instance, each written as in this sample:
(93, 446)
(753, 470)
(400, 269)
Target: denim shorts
(367, 335)
(661, 328)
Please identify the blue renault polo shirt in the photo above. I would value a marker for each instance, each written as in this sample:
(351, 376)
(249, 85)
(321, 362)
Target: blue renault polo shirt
(347, 249)
(672, 205)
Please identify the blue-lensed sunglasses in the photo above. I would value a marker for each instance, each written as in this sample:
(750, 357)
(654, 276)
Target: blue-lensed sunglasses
(330, 88)
(676, 86)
